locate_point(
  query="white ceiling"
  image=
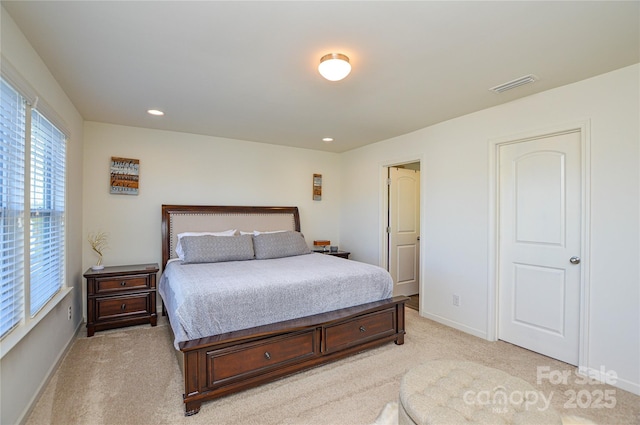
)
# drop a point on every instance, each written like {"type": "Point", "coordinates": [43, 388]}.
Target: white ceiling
{"type": "Point", "coordinates": [248, 70]}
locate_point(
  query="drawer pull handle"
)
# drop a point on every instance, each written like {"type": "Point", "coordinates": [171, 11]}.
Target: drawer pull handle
{"type": "Point", "coordinates": [123, 283]}
{"type": "Point", "coordinates": [123, 307]}
{"type": "Point", "coordinates": [363, 329]}
{"type": "Point", "coordinates": [267, 355]}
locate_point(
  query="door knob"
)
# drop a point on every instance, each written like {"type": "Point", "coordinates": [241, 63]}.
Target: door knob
{"type": "Point", "coordinates": [574, 260]}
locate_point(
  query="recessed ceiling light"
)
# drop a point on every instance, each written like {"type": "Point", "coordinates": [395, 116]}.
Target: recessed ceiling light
{"type": "Point", "coordinates": [155, 112]}
{"type": "Point", "coordinates": [327, 139]}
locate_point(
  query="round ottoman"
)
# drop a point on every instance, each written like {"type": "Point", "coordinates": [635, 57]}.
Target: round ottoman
{"type": "Point", "coordinates": [457, 392]}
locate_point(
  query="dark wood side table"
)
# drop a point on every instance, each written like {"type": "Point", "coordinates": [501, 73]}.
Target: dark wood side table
{"type": "Point", "coordinates": [121, 296]}
{"type": "Point", "coordinates": [341, 254]}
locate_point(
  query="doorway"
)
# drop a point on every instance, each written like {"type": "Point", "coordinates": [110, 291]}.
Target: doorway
{"type": "Point", "coordinates": [540, 223]}
{"type": "Point", "coordinates": [402, 229]}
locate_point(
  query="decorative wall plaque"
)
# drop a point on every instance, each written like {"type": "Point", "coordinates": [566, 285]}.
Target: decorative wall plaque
{"type": "Point", "coordinates": [317, 187]}
{"type": "Point", "coordinates": [125, 173]}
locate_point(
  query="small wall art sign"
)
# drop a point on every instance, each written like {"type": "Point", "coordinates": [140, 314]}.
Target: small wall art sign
{"type": "Point", "coordinates": [125, 174]}
{"type": "Point", "coordinates": [317, 187]}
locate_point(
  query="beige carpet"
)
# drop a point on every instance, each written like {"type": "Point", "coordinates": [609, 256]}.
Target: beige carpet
{"type": "Point", "coordinates": [109, 379]}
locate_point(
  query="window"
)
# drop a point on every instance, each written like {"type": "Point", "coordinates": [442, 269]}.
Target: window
{"type": "Point", "coordinates": [47, 210]}
{"type": "Point", "coordinates": [12, 163]}
{"type": "Point", "coordinates": [33, 180]}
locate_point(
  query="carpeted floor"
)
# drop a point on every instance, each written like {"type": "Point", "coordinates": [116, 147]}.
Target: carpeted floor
{"type": "Point", "coordinates": [131, 376]}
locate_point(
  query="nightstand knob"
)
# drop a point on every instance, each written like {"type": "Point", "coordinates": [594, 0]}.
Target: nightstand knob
{"type": "Point", "coordinates": [267, 355]}
{"type": "Point", "coordinates": [123, 283]}
{"type": "Point", "coordinates": [123, 307]}
{"type": "Point", "coordinates": [363, 329]}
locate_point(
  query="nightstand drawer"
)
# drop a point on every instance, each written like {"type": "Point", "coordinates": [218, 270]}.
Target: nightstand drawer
{"type": "Point", "coordinates": [121, 283]}
{"type": "Point", "coordinates": [118, 307]}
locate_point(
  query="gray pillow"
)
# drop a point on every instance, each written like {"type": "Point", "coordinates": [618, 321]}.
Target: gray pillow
{"type": "Point", "coordinates": [215, 249]}
{"type": "Point", "coordinates": [280, 244]}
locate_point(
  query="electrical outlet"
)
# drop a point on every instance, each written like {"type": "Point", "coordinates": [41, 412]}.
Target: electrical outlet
{"type": "Point", "coordinates": [69, 315]}
{"type": "Point", "coordinates": [456, 300]}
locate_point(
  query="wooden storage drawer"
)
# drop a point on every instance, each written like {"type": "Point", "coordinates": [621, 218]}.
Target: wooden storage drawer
{"type": "Point", "coordinates": [358, 330]}
{"type": "Point", "coordinates": [254, 358]}
{"type": "Point", "coordinates": [118, 307]}
{"type": "Point", "coordinates": [121, 283]}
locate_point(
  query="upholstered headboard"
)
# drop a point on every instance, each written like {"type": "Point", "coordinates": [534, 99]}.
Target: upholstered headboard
{"type": "Point", "coordinates": [215, 218]}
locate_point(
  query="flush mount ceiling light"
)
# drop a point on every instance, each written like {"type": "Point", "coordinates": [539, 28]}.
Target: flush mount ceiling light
{"type": "Point", "coordinates": [334, 66]}
{"type": "Point", "coordinates": [155, 112]}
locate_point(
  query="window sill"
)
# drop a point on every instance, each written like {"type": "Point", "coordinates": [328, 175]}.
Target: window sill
{"type": "Point", "coordinates": [15, 336]}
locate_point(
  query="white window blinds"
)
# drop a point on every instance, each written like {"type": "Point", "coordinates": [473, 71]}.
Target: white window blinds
{"type": "Point", "coordinates": [12, 166]}
{"type": "Point", "coordinates": [47, 210]}
{"type": "Point", "coordinates": [32, 180]}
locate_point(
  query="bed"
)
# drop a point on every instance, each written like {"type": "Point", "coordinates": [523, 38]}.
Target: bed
{"type": "Point", "coordinates": [244, 333]}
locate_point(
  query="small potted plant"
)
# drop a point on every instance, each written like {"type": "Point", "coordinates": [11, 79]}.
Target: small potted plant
{"type": "Point", "coordinates": [98, 242]}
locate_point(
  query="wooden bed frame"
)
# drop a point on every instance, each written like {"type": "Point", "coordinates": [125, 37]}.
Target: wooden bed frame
{"type": "Point", "coordinates": [218, 365]}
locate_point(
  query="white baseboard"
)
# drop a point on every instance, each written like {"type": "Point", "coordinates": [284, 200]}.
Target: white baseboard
{"type": "Point", "coordinates": [605, 376]}
{"type": "Point", "coordinates": [459, 326]}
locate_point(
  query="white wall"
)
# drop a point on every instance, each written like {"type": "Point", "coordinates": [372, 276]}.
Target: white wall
{"type": "Point", "coordinates": [455, 209]}
{"type": "Point", "coordinates": [25, 369]}
{"type": "Point", "coordinates": [179, 168]}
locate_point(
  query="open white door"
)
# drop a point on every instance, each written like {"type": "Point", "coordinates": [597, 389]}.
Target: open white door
{"type": "Point", "coordinates": [540, 217]}
{"type": "Point", "coordinates": [404, 230]}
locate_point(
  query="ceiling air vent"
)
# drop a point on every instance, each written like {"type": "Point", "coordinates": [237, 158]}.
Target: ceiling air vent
{"type": "Point", "coordinates": [514, 83]}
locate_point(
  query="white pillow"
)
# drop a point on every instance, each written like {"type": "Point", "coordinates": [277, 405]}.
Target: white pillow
{"type": "Point", "coordinates": [180, 251]}
{"type": "Point", "coordinates": [257, 232]}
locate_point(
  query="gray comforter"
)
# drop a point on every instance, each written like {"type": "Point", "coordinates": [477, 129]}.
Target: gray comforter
{"type": "Point", "coordinates": [214, 298]}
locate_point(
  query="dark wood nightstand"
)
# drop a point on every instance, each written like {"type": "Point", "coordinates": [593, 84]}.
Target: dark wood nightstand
{"type": "Point", "coordinates": [121, 296]}
{"type": "Point", "coordinates": [341, 254]}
